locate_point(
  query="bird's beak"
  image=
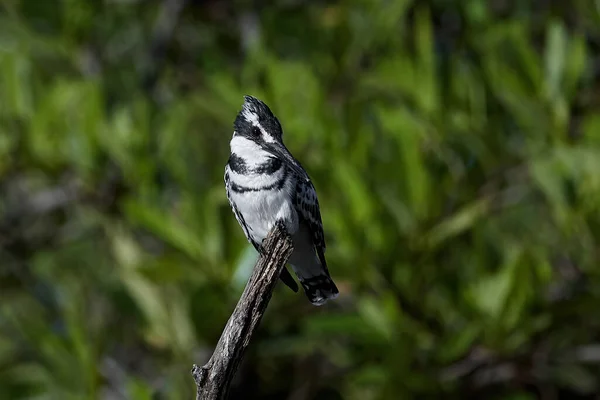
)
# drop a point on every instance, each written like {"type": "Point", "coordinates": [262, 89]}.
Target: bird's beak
{"type": "Point", "coordinates": [280, 151]}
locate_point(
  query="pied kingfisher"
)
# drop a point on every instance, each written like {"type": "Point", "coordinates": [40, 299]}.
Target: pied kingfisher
{"type": "Point", "coordinates": [267, 185]}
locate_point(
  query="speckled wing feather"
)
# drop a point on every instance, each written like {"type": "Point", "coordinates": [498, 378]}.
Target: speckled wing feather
{"type": "Point", "coordinates": [238, 216]}
{"type": "Point", "coordinates": [307, 206]}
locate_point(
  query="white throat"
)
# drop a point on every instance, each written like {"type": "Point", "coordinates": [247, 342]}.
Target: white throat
{"type": "Point", "coordinates": [248, 150]}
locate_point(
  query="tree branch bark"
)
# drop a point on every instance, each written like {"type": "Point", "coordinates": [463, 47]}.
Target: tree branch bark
{"type": "Point", "coordinates": [214, 378]}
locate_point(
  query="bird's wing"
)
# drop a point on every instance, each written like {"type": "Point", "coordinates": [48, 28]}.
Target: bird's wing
{"type": "Point", "coordinates": [238, 215]}
{"type": "Point", "coordinates": [307, 206]}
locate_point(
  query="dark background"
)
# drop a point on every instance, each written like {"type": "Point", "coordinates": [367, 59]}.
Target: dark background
{"type": "Point", "coordinates": [454, 146]}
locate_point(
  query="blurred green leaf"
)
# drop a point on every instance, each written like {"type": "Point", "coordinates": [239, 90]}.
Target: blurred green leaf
{"type": "Point", "coordinates": [556, 49]}
{"type": "Point", "coordinates": [166, 226]}
{"type": "Point", "coordinates": [453, 145]}
{"type": "Point", "coordinates": [576, 60]}
{"type": "Point", "coordinates": [15, 82]}
{"type": "Point", "coordinates": [139, 390]}
{"type": "Point", "coordinates": [491, 293]}
{"type": "Point", "coordinates": [457, 223]}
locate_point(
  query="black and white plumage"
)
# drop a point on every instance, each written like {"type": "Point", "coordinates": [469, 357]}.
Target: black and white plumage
{"type": "Point", "coordinates": [265, 185]}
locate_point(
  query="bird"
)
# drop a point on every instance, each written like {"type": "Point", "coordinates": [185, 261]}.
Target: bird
{"type": "Point", "coordinates": [266, 186]}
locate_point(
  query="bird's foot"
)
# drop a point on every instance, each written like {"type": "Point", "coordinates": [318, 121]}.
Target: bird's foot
{"type": "Point", "coordinates": [261, 250]}
{"type": "Point", "coordinates": [281, 225]}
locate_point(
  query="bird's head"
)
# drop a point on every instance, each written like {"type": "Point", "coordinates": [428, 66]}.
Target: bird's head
{"type": "Point", "coordinates": [257, 124]}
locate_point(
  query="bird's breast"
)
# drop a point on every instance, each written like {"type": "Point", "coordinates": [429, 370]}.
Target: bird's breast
{"type": "Point", "coordinates": [263, 198]}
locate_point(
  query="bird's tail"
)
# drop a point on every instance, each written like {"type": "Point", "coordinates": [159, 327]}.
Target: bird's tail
{"type": "Point", "coordinates": [319, 288]}
{"type": "Point", "coordinates": [315, 280]}
{"type": "Point", "coordinates": [313, 276]}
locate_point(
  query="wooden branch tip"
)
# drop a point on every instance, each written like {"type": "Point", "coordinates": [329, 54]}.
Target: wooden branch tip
{"type": "Point", "coordinates": [214, 378]}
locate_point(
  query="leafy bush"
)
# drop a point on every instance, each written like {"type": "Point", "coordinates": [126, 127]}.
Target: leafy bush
{"type": "Point", "coordinates": [454, 146]}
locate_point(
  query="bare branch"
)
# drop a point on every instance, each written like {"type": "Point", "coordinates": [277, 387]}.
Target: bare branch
{"type": "Point", "coordinates": [214, 378]}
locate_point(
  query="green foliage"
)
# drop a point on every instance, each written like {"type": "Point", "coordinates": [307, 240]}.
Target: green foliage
{"type": "Point", "coordinates": [455, 147]}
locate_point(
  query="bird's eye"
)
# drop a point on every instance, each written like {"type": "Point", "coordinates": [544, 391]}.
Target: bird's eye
{"type": "Point", "coordinates": [255, 131]}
